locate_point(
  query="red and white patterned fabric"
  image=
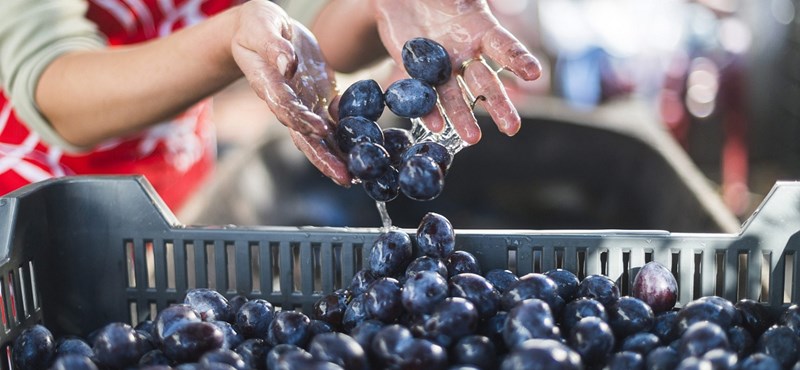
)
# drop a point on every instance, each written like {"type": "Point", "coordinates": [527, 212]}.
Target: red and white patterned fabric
{"type": "Point", "coordinates": [174, 156]}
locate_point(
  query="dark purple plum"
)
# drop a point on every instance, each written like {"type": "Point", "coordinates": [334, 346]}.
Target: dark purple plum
{"type": "Point", "coordinates": [435, 236]}
{"type": "Point", "coordinates": [629, 316]}
{"type": "Point", "coordinates": [396, 141]}
{"type": "Point", "coordinates": [236, 303]}
{"type": "Point", "coordinates": [421, 178]}
{"type": "Point", "coordinates": [781, 343]}
{"type": "Point", "coordinates": [319, 327]}
{"type": "Point", "coordinates": [231, 336]}
{"type": "Point", "coordinates": [492, 328]}
{"type": "Point", "coordinates": [599, 287]}
{"type": "Point", "coordinates": [386, 187]}
{"type": "Point", "coordinates": [368, 161]}
{"type": "Point", "coordinates": [625, 360]}
{"type": "Point", "coordinates": [73, 345]}
{"type": "Point", "coordinates": [421, 353]}
{"type": "Point", "coordinates": [426, 263]}
{"type": "Point", "coordinates": [365, 331]}
{"type": "Point", "coordinates": [721, 359]}
{"type": "Point", "coordinates": [168, 318]}
{"type": "Point", "coordinates": [581, 308]}
{"type": "Point", "coordinates": [664, 326]}
{"type": "Point", "coordinates": [72, 361]}
{"type": "Point", "coordinates": [330, 307]}
{"type": "Point", "coordinates": [383, 299]}
{"type": "Point", "coordinates": [423, 291]}
{"type": "Point", "coordinates": [760, 361]}
{"type": "Point", "coordinates": [476, 350]}
{"type": "Point", "coordinates": [361, 280]}
{"type": "Point", "coordinates": [662, 358]}
{"type": "Point", "coordinates": [501, 279]}
{"type": "Point", "coordinates": [253, 352]}
{"type": "Point", "coordinates": [452, 319]}
{"type": "Point", "coordinates": [542, 354]}
{"type": "Point", "coordinates": [190, 340]}
{"type": "Point", "coordinates": [756, 316]}
{"type": "Point", "coordinates": [641, 342]}
{"type": "Point", "coordinates": [224, 356]}
{"type": "Point", "coordinates": [426, 60]}
{"type": "Point", "coordinates": [278, 357]}
{"type": "Point", "coordinates": [388, 345]}
{"type": "Point", "coordinates": [741, 341]}
{"type": "Point", "coordinates": [460, 262]}
{"type": "Point", "coordinates": [410, 98]}
{"type": "Point", "coordinates": [340, 349]}
{"type": "Point", "coordinates": [566, 281]}
{"type": "Point", "coordinates": [209, 303]}
{"type": "Point", "coordinates": [695, 363]}
{"type": "Point", "coordinates": [592, 339]}
{"type": "Point", "coordinates": [391, 253]}
{"type": "Point", "coordinates": [477, 290]}
{"type": "Point", "coordinates": [702, 309]}
{"type": "Point", "coordinates": [117, 345]}
{"type": "Point", "coordinates": [363, 98]}
{"type": "Point", "coordinates": [154, 357]}
{"type": "Point", "coordinates": [254, 317]}
{"type": "Point", "coordinates": [534, 285]}
{"type": "Point", "coordinates": [355, 313]}
{"type": "Point", "coordinates": [289, 327]}
{"type": "Point", "coordinates": [655, 285]}
{"type": "Point", "coordinates": [354, 130]}
{"type": "Point", "coordinates": [529, 319]}
{"type": "Point", "coordinates": [34, 348]}
{"type": "Point", "coordinates": [702, 337]}
{"type": "Point", "coordinates": [791, 317]}
{"type": "Point", "coordinates": [432, 149]}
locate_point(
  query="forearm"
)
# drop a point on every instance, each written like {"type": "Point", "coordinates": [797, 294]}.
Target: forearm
{"type": "Point", "coordinates": [348, 34]}
{"type": "Point", "coordinates": [91, 96]}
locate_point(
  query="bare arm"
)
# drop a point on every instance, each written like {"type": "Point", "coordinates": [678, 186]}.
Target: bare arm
{"type": "Point", "coordinates": [348, 34]}
{"type": "Point", "coordinates": [91, 96]}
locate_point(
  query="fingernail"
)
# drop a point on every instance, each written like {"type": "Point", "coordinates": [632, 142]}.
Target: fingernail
{"type": "Point", "coordinates": [282, 62]}
{"type": "Point", "coordinates": [532, 67]}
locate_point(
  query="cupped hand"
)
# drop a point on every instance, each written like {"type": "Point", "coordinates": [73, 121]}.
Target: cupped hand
{"type": "Point", "coordinates": [469, 32]}
{"type": "Point", "coordinates": [282, 63]}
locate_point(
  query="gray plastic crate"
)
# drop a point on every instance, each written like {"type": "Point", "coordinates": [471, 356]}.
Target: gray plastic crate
{"type": "Point", "coordinates": [79, 252]}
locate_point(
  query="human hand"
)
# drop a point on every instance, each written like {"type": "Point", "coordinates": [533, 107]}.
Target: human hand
{"type": "Point", "coordinates": [262, 48]}
{"type": "Point", "coordinates": [468, 31]}
{"type": "Point", "coordinates": [314, 83]}
{"type": "Point", "coordinates": [282, 63]}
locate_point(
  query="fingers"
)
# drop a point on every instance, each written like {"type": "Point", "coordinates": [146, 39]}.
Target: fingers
{"type": "Point", "coordinates": [482, 81]}
{"type": "Point", "coordinates": [501, 46]}
{"type": "Point", "coordinates": [268, 32]}
{"type": "Point", "coordinates": [271, 87]}
{"type": "Point", "coordinates": [322, 157]}
{"type": "Point", "coordinates": [459, 112]}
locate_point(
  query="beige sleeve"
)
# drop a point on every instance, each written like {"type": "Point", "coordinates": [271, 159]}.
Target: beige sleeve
{"type": "Point", "coordinates": [32, 34]}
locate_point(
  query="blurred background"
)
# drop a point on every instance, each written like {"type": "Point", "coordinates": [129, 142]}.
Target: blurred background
{"type": "Point", "coordinates": [664, 114]}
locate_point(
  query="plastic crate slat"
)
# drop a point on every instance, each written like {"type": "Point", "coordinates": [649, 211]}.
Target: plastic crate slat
{"type": "Point", "coordinates": [199, 267]}
{"type": "Point", "coordinates": [615, 266]}
{"type": "Point", "coordinates": [306, 272]}
{"type": "Point", "coordinates": [709, 272]}
{"type": "Point", "coordinates": [524, 260]}
{"type": "Point", "coordinates": [731, 267]}
{"type": "Point", "coordinates": [326, 260]}
{"type": "Point", "coordinates": [285, 261]}
{"type": "Point", "coordinates": [265, 267]}
{"type": "Point", "coordinates": [686, 273]}
{"type": "Point", "coordinates": [220, 264]}
{"type": "Point", "coordinates": [243, 268]}
{"type": "Point", "coordinates": [181, 273]}
{"type": "Point", "coordinates": [160, 265]}
{"type": "Point", "coordinates": [776, 279]}
{"type": "Point", "coordinates": [754, 262]}
{"type": "Point", "coordinates": [548, 257]}
{"type": "Point", "coordinates": [348, 263]}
